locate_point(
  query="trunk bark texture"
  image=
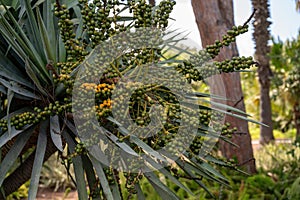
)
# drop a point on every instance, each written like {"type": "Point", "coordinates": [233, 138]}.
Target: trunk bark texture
{"type": "Point", "coordinates": [214, 18]}
{"type": "Point", "coordinates": [152, 2]}
{"type": "Point", "coordinates": [297, 118]}
{"type": "Point", "coordinates": [261, 37]}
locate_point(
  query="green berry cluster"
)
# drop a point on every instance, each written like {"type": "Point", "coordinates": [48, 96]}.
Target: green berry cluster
{"type": "Point", "coordinates": [3, 125]}
{"type": "Point", "coordinates": [142, 13]}
{"type": "Point", "coordinates": [227, 39]}
{"type": "Point", "coordinates": [74, 47]}
{"type": "Point", "coordinates": [97, 19]}
{"type": "Point", "coordinates": [199, 66]}
{"type": "Point", "coordinates": [23, 119]}
{"type": "Point", "coordinates": [109, 175]}
{"type": "Point", "coordinates": [131, 180]}
{"type": "Point", "coordinates": [80, 149]}
{"type": "Point", "coordinates": [162, 14]}
{"type": "Point", "coordinates": [101, 21]}
{"type": "Point", "coordinates": [145, 16]}
{"type": "Point", "coordinates": [235, 64]}
{"type": "Point", "coordinates": [209, 120]}
{"type": "Point", "coordinates": [65, 24]}
{"type": "Point", "coordinates": [37, 115]}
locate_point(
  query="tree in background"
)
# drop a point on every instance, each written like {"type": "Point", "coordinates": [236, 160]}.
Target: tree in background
{"type": "Point", "coordinates": [298, 5]}
{"type": "Point", "coordinates": [152, 2]}
{"type": "Point", "coordinates": [285, 58]}
{"type": "Point", "coordinates": [261, 37]}
{"type": "Point", "coordinates": [214, 18]}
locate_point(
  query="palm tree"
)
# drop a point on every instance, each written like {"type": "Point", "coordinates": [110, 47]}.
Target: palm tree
{"type": "Point", "coordinates": [261, 37]}
{"type": "Point", "coordinates": [297, 5]}
{"type": "Point", "coordinates": [45, 46]}
{"type": "Point", "coordinates": [286, 67]}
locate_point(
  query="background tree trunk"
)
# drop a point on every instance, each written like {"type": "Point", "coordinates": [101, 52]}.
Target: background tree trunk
{"type": "Point", "coordinates": [261, 37]}
{"type": "Point", "coordinates": [152, 2]}
{"type": "Point", "coordinates": [214, 18]}
{"type": "Point", "coordinates": [297, 118]}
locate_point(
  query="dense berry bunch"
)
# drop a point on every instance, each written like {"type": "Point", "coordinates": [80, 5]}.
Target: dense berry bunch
{"type": "Point", "coordinates": [235, 64]}
{"type": "Point", "coordinates": [101, 20]}
{"type": "Point", "coordinates": [227, 39]}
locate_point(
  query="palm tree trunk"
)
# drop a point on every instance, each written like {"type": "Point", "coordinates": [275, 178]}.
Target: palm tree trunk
{"type": "Point", "coordinates": [152, 2]}
{"type": "Point", "coordinates": [297, 118]}
{"type": "Point", "coordinates": [261, 37]}
{"type": "Point", "coordinates": [214, 18]}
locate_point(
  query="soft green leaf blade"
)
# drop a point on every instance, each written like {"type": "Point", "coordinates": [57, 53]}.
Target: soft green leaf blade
{"type": "Point", "coordinates": [196, 94]}
{"type": "Point", "coordinates": [78, 168]}
{"type": "Point", "coordinates": [168, 175]}
{"type": "Point", "coordinates": [196, 170]}
{"type": "Point", "coordinates": [34, 78]}
{"type": "Point", "coordinates": [50, 22]}
{"type": "Point", "coordinates": [17, 42]}
{"type": "Point", "coordinates": [226, 112]}
{"type": "Point", "coordinates": [55, 132]}
{"type": "Point", "coordinates": [38, 160]}
{"type": "Point", "coordinates": [205, 172]}
{"type": "Point", "coordinates": [215, 160]}
{"type": "Point", "coordinates": [137, 141]}
{"type": "Point", "coordinates": [71, 127]}
{"type": "Point", "coordinates": [224, 106]}
{"type": "Point", "coordinates": [13, 153]}
{"type": "Point", "coordinates": [140, 194]}
{"type": "Point", "coordinates": [20, 42]}
{"type": "Point", "coordinates": [62, 53]}
{"type": "Point", "coordinates": [90, 175]}
{"type": "Point", "coordinates": [11, 72]}
{"type": "Point", "coordinates": [14, 3]}
{"type": "Point", "coordinates": [39, 2]}
{"type": "Point", "coordinates": [102, 177]}
{"type": "Point", "coordinates": [125, 147]}
{"type": "Point", "coordinates": [147, 148]}
{"type": "Point", "coordinates": [10, 95]}
{"type": "Point", "coordinates": [17, 89]}
{"type": "Point", "coordinates": [115, 190]}
{"type": "Point", "coordinates": [6, 137]}
{"type": "Point", "coordinates": [79, 30]}
{"type": "Point", "coordinates": [33, 26]}
{"type": "Point", "coordinates": [213, 171]}
{"type": "Point", "coordinates": [212, 134]}
{"type": "Point", "coordinates": [161, 189]}
{"type": "Point", "coordinates": [48, 48]}
{"type": "Point", "coordinates": [188, 169]}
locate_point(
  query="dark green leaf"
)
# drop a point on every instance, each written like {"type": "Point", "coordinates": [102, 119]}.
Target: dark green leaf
{"type": "Point", "coordinates": [55, 132]}
{"type": "Point", "coordinates": [38, 160]}
{"type": "Point", "coordinates": [6, 137]}
{"type": "Point", "coordinates": [168, 175]}
{"type": "Point", "coordinates": [102, 177]}
{"type": "Point", "coordinates": [140, 194]}
{"type": "Point", "coordinates": [13, 153]}
{"type": "Point", "coordinates": [163, 191]}
{"type": "Point", "coordinates": [48, 48]}
{"type": "Point", "coordinates": [78, 168]}
{"type": "Point", "coordinates": [17, 89]}
{"type": "Point", "coordinates": [10, 95]}
{"type": "Point", "coordinates": [90, 175]}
